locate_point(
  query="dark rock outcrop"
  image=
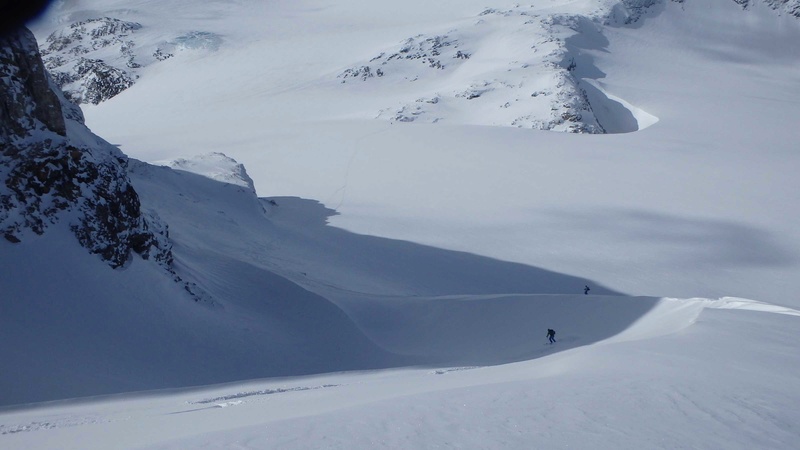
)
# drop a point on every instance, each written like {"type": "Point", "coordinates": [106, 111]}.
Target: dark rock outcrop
{"type": "Point", "coordinates": [26, 101]}
{"type": "Point", "coordinates": [48, 175]}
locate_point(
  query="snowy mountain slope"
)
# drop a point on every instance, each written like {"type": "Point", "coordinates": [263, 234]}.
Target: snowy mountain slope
{"type": "Point", "coordinates": [682, 197]}
{"type": "Point", "coordinates": [685, 376]}
{"type": "Point", "coordinates": [229, 243]}
{"type": "Point", "coordinates": [791, 7]}
{"type": "Point", "coordinates": [75, 328]}
{"type": "Point", "coordinates": [54, 169]}
{"type": "Point", "coordinates": [135, 329]}
{"type": "Point", "coordinates": [72, 326]}
{"type": "Point", "coordinates": [435, 243]}
{"type": "Point", "coordinates": [534, 82]}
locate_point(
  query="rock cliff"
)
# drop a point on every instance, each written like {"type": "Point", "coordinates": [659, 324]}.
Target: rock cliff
{"type": "Point", "coordinates": [53, 169]}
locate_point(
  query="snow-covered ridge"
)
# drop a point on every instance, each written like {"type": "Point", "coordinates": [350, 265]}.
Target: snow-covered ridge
{"type": "Point", "coordinates": [791, 7]}
{"type": "Point", "coordinates": [629, 11]}
{"type": "Point", "coordinates": [518, 67]}
{"type": "Point", "coordinates": [505, 67]}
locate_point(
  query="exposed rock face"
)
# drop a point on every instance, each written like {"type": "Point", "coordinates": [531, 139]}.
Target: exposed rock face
{"type": "Point", "coordinates": [94, 60]}
{"type": "Point", "coordinates": [27, 103]}
{"type": "Point", "coordinates": [92, 80]}
{"type": "Point", "coordinates": [633, 10]}
{"type": "Point", "coordinates": [49, 175]}
{"type": "Point", "coordinates": [791, 7]}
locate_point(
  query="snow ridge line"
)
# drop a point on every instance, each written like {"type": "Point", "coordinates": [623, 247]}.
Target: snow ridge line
{"type": "Point", "coordinates": [748, 305]}
{"type": "Point", "coordinates": [671, 315]}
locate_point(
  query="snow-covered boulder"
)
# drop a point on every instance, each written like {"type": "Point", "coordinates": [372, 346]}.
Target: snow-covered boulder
{"type": "Point", "coordinates": [217, 166]}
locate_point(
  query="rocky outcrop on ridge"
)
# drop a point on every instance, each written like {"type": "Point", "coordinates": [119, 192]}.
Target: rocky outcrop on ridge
{"type": "Point", "coordinates": [86, 79]}
{"type": "Point", "coordinates": [538, 89]}
{"type": "Point", "coordinates": [791, 7]}
{"type": "Point", "coordinates": [96, 59]}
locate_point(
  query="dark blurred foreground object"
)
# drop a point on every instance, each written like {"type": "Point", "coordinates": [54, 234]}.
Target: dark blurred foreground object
{"type": "Point", "coordinates": [15, 13]}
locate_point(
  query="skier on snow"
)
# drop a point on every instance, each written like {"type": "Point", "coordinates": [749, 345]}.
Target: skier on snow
{"type": "Point", "coordinates": [551, 334]}
{"type": "Point", "coordinates": [586, 290]}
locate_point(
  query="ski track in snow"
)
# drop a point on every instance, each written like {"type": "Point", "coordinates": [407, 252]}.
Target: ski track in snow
{"type": "Point", "coordinates": [453, 369]}
{"type": "Point", "coordinates": [239, 395]}
{"type": "Point", "coordinates": [53, 423]}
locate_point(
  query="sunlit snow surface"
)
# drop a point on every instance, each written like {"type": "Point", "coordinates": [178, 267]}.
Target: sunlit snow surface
{"type": "Point", "coordinates": [454, 244]}
{"type": "Point", "coordinates": [706, 194]}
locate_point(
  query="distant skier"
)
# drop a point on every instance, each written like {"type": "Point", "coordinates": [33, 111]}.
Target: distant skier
{"type": "Point", "coordinates": [551, 334]}
{"type": "Point", "coordinates": [586, 290]}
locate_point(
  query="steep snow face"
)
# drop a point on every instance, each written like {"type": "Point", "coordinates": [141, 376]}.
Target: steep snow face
{"type": "Point", "coordinates": [73, 327]}
{"type": "Point", "coordinates": [54, 169]}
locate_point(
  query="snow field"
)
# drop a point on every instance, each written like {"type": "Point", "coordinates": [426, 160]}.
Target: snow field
{"type": "Point", "coordinates": [608, 395]}
{"type": "Point", "coordinates": [703, 190]}
{"type": "Point", "coordinates": [439, 253]}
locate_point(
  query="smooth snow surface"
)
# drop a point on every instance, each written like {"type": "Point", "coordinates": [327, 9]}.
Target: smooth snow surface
{"type": "Point", "coordinates": [692, 377]}
{"type": "Point", "coordinates": [400, 277]}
